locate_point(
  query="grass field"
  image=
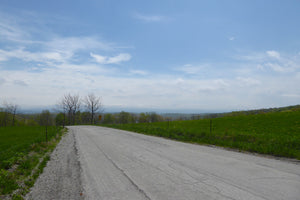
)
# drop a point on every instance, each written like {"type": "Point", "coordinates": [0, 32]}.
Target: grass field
{"type": "Point", "coordinates": [275, 133]}
{"type": "Point", "coordinates": [22, 151]}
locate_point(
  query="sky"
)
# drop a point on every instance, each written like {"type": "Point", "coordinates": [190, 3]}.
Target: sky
{"type": "Point", "coordinates": [158, 55]}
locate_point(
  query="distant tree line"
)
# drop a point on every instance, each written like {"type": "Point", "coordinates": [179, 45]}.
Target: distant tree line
{"type": "Point", "coordinates": [72, 109]}
{"type": "Point", "coordinates": [8, 114]}
{"type": "Point", "coordinates": [126, 118]}
{"type": "Point", "coordinates": [264, 111]}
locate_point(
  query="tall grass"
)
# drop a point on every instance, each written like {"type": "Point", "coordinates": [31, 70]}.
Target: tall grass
{"type": "Point", "coordinates": [272, 133]}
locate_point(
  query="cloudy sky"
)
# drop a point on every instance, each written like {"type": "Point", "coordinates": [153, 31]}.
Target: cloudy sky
{"type": "Point", "coordinates": [175, 55]}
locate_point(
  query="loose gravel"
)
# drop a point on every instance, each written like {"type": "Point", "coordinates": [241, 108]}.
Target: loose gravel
{"type": "Point", "coordinates": [61, 178]}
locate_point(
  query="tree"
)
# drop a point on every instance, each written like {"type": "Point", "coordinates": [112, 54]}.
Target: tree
{"type": "Point", "coordinates": [85, 117]}
{"type": "Point", "coordinates": [13, 109]}
{"type": "Point", "coordinates": [69, 104]}
{"type": "Point", "coordinates": [10, 109]}
{"type": "Point", "coordinates": [78, 119]}
{"type": "Point", "coordinates": [155, 117]}
{"type": "Point", "coordinates": [143, 118]}
{"type": "Point", "coordinates": [93, 104]}
{"type": "Point", "coordinates": [45, 120]}
{"type": "Point", "coordinates": [2, 117]}
{"type": "Point", "coordinates": [60, 119]}
{"type": "Point", "coordinates": [126, 117]}
{"type": "Point", "coordinates": [75, 102]}
{"type": "Point", "coordinates": [109, 119]}
{"type": "Point", "coordinates": [62, 108]}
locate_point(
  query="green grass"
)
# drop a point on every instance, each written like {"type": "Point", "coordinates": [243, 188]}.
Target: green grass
{"type": "Point", "coordinates": [21, 156]}
{"type": "Point", "coordinates": [15, 142]}
{"type": "Point", "coordinates": [272, 133]}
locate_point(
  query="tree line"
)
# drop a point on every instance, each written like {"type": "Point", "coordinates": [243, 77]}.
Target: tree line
{"type": "Point", "coordinates": [126, 118]}
{"type": "Point", "coordinates": [71, 109]}
{"type": "Point", "coordinates": [8, 114]}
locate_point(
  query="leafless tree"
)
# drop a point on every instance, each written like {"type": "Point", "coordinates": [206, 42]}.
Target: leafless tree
{"type": "Point", "coordinates": [75, 102]}
{"type": "Point", "coordinates": [69, 104]}
{"type": "Point", "coordinates": [93, 104]}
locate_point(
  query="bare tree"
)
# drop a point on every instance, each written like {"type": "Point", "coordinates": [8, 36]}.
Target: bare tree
{"type": "Point", "coordinates": [75, 102]}
{"type": "Point", "coordinates": [93, 104]}
{"type": "Point", "coordinates": [69, 104]}
{"type": "Point", "coordinates": [14, 108]}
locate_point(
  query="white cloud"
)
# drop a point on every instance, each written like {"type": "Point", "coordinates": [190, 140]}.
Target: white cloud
{"type": "Point", "coordinates": [271, 60]}
{"type": "Point", "coordinates": [99, 59]}
{"type": "Point", "coordinates": [247, 81]}
{"type": "Point", "coordinates": [58, 50]}
{"type": "Point", "coordinates": [20, 83]}
{"type": "Point", "coordinates": [278, 68]}
{"type": "Point", "coordinates": [259, 56]}
{"type": "Point", "coordinates": [273, 54]}
{"type": "Point", "coordinates": [84, 69]}
{"type": "Point", "coordinates": [193, 69]}
{"type": "Point", "coordinates": [292, 95]}
{"type": "Point", "coordinates": [122, 57]}
{"type": "Point", "coordinates": [155, 91]}
{"type": "Point", "coordinates": [26, 38]}
{"type": "Point", "coordinates": [231, 38]}
{"type": "Point", "coordinates": [251, 57]}
{"type": "Point", "coordinates": [73, 44]}
{"type": "Point", "coordinates": [21, 53]}
{"type": "Point", "coordinates": [9, 29]}
{"type": "Point", "coordinates": [149, 18]}
{"type": "Point", "coordinates": [2, 81]}
{"type": "Point", "coordinates": [179, 81]}
{"type": "Point", "coordinates": [138, 72]}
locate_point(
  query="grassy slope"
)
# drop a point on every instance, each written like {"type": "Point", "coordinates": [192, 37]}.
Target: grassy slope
{"type": "Point", "coordinates": [18, 141]}
{"type": "Point", "coordinates": [21, 149]}
{"type": "Point", "coordinates": [275, 133]}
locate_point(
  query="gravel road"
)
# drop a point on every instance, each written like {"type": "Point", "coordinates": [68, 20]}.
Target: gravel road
{"type": "Point", "coordinates": [118, 164]}
{"type": "Point", "coordinates": [61, 178]}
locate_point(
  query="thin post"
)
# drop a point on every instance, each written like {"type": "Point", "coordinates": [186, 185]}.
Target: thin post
{"type": "Point", "coordinates": [46, 134]}
{"type": "Point", "coordinates": [210, 126]}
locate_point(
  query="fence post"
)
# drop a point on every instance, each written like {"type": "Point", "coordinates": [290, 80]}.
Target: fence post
{"type": "Point", "coordinates": [46, 134]}
{"type": "Point", "coordinates": [210, 126]}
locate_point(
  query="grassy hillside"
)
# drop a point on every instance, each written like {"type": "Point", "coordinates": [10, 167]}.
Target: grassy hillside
{"type": "Point", "coordinates": [274, 133]}
{"type": "Point", "coordinates": [22, 155]}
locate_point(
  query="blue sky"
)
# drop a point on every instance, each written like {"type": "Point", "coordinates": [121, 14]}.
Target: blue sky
{"type": "Point", "coordinates": [172, 55]}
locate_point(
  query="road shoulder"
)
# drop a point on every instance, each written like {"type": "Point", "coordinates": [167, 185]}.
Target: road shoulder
{"type": "Point", "coordinates": [61, 178]}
